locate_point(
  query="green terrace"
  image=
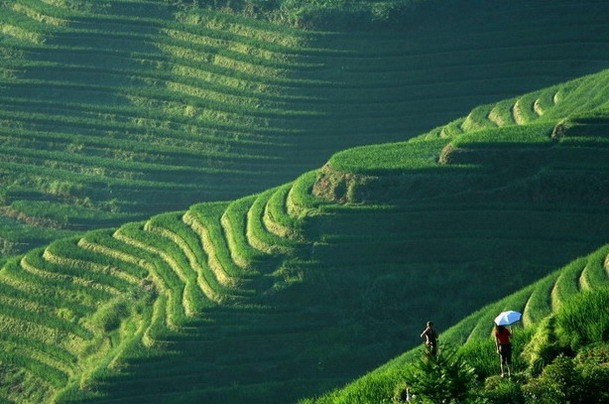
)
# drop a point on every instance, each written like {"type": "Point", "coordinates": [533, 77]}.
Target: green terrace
{"type": "Point", "coordinates": [116, 110]}
{"type": "Point", "coordinates": [561, 313]}
{"type": "Point", "coordinates": [296, 290]}
{"type": "Point", "coordinates": [151, 293]}
{"type": "Point", "coordinates": [488, 203]}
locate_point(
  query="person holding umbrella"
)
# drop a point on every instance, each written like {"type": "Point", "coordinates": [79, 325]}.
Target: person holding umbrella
{"type": "Point", "coordinates": [503, 342]}
{"type": "Point", "coordinates": [503, 339]}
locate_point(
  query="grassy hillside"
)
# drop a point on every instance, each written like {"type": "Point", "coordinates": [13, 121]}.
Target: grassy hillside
{"type": "Point", "coordinates": [563, 314]}
{"type": "Point", "coordinates": [115, 110]}
{"type": "Point", "coordinates": [296, 290]}
{"type": "Point", "coordinates": [511, 166]}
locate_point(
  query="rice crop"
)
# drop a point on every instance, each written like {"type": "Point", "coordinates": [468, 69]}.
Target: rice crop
{"type": "Point", "coordinates": [105, 106]}
{"type": "Point", "coordinates": [137, 110]}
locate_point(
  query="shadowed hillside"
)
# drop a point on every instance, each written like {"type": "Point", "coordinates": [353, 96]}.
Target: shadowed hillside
{"type": "Point", "coordinates": [541, 303]}
{"type": "Point", "coordinates": [537, 172]}
{"type": "Point", "coordinates": [115, 110]}
{"type": "Point", "coordinates": [298, 289]}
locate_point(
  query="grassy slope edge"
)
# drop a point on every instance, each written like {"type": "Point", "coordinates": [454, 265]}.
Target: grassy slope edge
{"type": "Point", "coordinates": [580, 125]}
{"type": "Point", "coordinates": [116, 110]}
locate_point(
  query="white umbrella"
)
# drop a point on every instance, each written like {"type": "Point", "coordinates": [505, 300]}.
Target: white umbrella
{"type": "Point", "coordinates": [508, 317]}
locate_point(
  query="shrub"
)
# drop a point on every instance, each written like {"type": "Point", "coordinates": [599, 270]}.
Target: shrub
{"type": "Point", "coordinates": [595, 354]}
{"type": "Point", "coordinates": [445, 378]}
{"type": "Point", "coordinates": [565, 376]}
{"type": "Point", "coordinates": [593, 364]}
{"type": "Point", "coordinates": [500, 390]}
{"type": "Point", "coordinates": [540, 392]}
{"type": "Point", "coordinates": [569, 380]}
{"type": "Point", "coordinates": [594, 380]}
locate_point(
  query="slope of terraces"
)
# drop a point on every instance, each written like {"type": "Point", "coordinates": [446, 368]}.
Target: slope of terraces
{"type": "Point", "coordinates": [80, 311]}
{"type": "Point", "coordinates": [298, 289]}
{"type": "Point", "coordinates": [503, 198]}
{"type": "Point", "coordinates": [112, 111]}
{"type": "Point", "coordinates": [538, 302]}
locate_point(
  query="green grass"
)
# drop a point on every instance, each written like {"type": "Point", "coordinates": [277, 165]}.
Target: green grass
{"type": "Point", "coordinates": [200, 285]}
{"type": "Point", "coordinates": [307, 305]}
{"type": "Point", "coordinates": [579, 322]}
{"type": "Point", "coordinates": [122, 111]}
{"type": "Point", "coordinates": [108, 106]}
{"type": "Point", "coordinates": [205, 219]}
{"type": "Point", "coordinates": [276, 218]}
{"type": "Point", "coordinates": [257, 233]}
{"type": "Point", "coordinates": [513, 153]}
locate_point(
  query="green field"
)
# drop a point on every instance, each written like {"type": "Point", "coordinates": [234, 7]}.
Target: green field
{"type": "Point", "coordinates": [296, 290]}
{"type": "Point", "coordinates": [551, 165]}
{"type": "Point", "coordinates": [115, 111]}
{"type": "Point", "coordinates": [213, 204]}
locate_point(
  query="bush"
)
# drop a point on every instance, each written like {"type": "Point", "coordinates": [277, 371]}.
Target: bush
{"type": "Point", "coordinates": [540, 392]}
{"type": "Point", "coordinates": [593, 364]}
{"type": "Point", "coordinates": [563, 374]}
{"type": "Point", "coordinates": [595, 380]}
{"type": "Point", "coordinates": [445, 378]}
{"type": "Point", "coordinates": [566, 381]}
{"type": "Point", "coordinates": [500, 390]}
{"type": "Point", "coordinates": [583, 379]}
{"type": "Point", "coordinates": [595, 354]}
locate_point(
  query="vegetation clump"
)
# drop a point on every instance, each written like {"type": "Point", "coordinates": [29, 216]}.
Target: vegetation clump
{"type": "Point", "coordinates": [443, 378]}
{"type": "Point", "coordinates": [324, 14]}
{"type": "Point", "coordinates": [567, 356]}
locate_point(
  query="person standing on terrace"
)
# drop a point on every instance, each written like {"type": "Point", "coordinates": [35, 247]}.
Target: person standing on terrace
{"type": "Point", "coordinates": [431, 338]}
{"type": "Point", "coordinates": [503, 342]}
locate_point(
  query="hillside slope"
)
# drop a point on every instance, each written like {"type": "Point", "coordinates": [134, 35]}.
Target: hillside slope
{"type": "Point", "coordinates": [539, 302]}
{"type": "Point", "coordinates": [298, 289]}
{"type": "Point", "coordinates": [546, 152]}
{"type": "Point", "coordinates": [114, 110]}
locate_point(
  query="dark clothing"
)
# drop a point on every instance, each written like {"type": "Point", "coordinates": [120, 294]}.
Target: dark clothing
{"type": "Point", "coordinates": [433, 348]}
{"type": "Point", "coordinates": [505, 350]}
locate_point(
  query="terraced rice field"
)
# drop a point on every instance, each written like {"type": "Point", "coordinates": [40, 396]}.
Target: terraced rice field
{"type": "Point", "coordinates": [296, 290]}
{"type": "Point", "coordinates": [501, 200]}
{"type": "Point", "coordinates": [117, 110]}
{"type": "Point", "coordinates": [180, 297]}
{"type": "Point", "coordinates": [537, 302]}
{"type": "Point", "coordinates": [509, 169]}
{"type": "Point", "coordinates": [242, 273]}
{"type": "Point", "coordinates": [543, 297]}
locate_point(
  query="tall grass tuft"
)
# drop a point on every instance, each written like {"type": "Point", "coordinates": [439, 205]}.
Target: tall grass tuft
{"type": "Point", "coordinates": [584, 319]}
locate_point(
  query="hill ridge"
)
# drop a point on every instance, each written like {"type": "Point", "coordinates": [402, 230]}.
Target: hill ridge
{"type": "Point", "coordinates": [117, 110]}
